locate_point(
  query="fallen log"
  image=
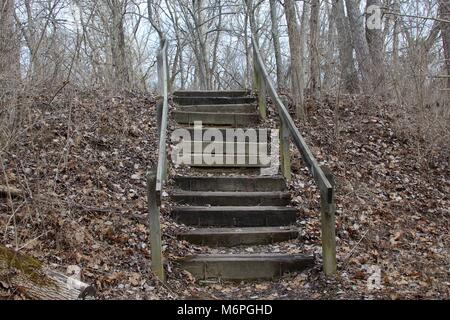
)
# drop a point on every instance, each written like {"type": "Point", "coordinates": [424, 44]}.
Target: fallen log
{"type": "Point", "coordinates": [5, 191]}
{"type": "Point", "coordinates": [29, 277]}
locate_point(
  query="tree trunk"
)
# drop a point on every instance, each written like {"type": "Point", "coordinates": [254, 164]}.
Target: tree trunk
{"type": "Point", "coordinates": [444, 9]}
{"type": "Point", "coordinates": [200, 27]}
{"type": "Point", "coordinates": [9, 52]}
{"type": "Point", "coordinates": [118, 44]}
{"type": "Point", "coordinates": [180, 46]}
{"type": "Point", "coordinates": [375, 43]}
{"type": "Point", "coordinates": [314, 84]}
{"type": "Point", "coordinates": [328, 45]}
{"type": "Point", "coordinates": [214, 74]}
{"type": "Point", "coordinates": [360, 44]}
{"type": "Point", "coordinates": [395, 53]}
{"type": "Point", "coordinates": [304, 27]}
{"type": "Point", "coordinates": [248, 78]}
{"type": "Point", "coordinates": [276, 43]}
{"type": "Point", "coordinates": [7, 191]}
{"type": "Point", "coordinates": [296, 59]}
{"type": "Point", "coordinates": [349, 74]}
{"type": "Point", "coordinates": [27, 276]}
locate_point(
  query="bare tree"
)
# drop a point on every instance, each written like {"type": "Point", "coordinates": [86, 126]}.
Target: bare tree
{"type": "Point", "coordinates": [314, 84]}
{"type": "Point", "coordinates": [395, 52]}
{"type": "Point", "coordinates": [276, 42]}
{"type": "Point", "coordinates": [9, 62]}
{"type": "Point", "coordinates": [209, 40]}
{"type": "Point", "coordinates": [347, 63]}
{"type": "Point", "coordinates": [375, 43]}
{"type": "Point", "coordinates": [363, 56]}
{"type": "Point", "coordinates": [296, 58]}
{"type": "Point", "coordinates": [444, 13]}
{"type": "Point", "coordinates": [117, 38]}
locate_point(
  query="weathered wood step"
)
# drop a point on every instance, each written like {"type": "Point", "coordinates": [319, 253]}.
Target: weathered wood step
{"type": "Point", "coordinates": [220, 108]}
{"type": "Point", "coordinates": [262, 135]}
{"type": "Point", "coordinates": [223, 147]}
{"type": "Point", "coordinates": [245, 267]}
{"type": "Point", "coordinates": [213, 118]}
{"type": "Point", "coordinates": [222, 161]}
{"type": "Point", "coordinates": [219, 198]}
{"type": "Point", "coordinates": [231, 237]}
{"type": "Point", "coordinates": [211, 93]}
{"type": "Point", "coordinates": [236, 183]}
{"type": "Point", "coordinates": [240, 216]}
{"type": "Point", "coordinates": [192, 100]}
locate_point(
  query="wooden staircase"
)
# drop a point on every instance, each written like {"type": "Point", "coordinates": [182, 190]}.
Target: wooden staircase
{"type": "Point", "coordinates": [232, 210]}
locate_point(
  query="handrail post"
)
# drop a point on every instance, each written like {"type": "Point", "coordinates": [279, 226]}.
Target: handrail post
{"type": "Point", "coordinates": [159, 113]}
{"type": "Point", "coordinates": [162, 103]}
{"type": "Point", "coordinates": [328, 225]}
{"type": "Point", "coordinates": [166, 97]}
{"type": "Point", "coordinates": [154, 226]}
{"type": "Point", "coordinates": [165, 169]}
{"type": "Point", "coordinates": [262, 103]}
{"type": "Point", "coordinates": [285, 156]}
{"type": "Point", "coordinates": [165, 51]}
{"type": "Point", "coordinates": [160, 98]}
{"type": "Point", "coordinates": [260, 87]}
{"type": "Point", "coordinates": [255, 72]}
{"type": "Point", "coordinates": [160, 73]}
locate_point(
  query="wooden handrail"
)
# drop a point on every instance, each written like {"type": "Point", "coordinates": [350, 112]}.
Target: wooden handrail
{"type": "Point", "coordinates": [288, 128]}
{"type": "Point", "coordinates": [156, 178]}
{"type": "Point", "coordinates": [163, 71]}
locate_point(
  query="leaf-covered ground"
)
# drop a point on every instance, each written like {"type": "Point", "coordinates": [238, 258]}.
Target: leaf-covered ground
{"type": "Point", "coordinates": [81, 162]}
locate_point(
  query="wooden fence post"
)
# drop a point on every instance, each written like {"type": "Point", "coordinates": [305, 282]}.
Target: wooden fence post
{"type": "Point", "coordinates": [328, 224]}
{"type": "Point", "coordinates": [285, 152]}
{"type": "Point", "coordinates": [166, 166]}
{"type": "Point", "coordinates": [261, 89]}
{"type": "Point", "coordinates": [159, 68]}
{"type": "Point", "coordinates": [159, 110]}
{"type": "Point", "coordinates": [262, 103]}
{"type": "Point", "coordinates": [255, 73]}
{"type": "Point", "coordinates": [155, 226]}
{"type": "Point", "coordinates": [160, 99]}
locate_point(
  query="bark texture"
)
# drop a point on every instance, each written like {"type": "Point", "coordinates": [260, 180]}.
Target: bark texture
{"type": "Point", "coordinates": [8, 45]}
{"type": "Point", "coordinates": [296, 59]}
{"type": "Point", "coordinates": [444, 9]}
{"type": "Point", "coordinates": [349, 75]}
{"type": "Point", "coordinates": [32, 279]}
{"type": "Point", "coordinates": [375, 43]}
{"type": "Point", "coordinates": [276, 42]}
{"type": "Point", "coordinates": [314, 84]}
{"type": "Point", "coordinates": [363, 56]}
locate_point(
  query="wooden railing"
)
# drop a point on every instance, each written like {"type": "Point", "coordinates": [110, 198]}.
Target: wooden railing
{"type": "Point", "coordinates": [289, 130]}
{"type": "Point", "coordinates": [156, 178]}
{"type": "Point", "coordinates": [163, 112]}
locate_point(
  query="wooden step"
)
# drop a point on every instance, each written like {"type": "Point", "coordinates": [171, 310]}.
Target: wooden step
{"type": "Point", "coordinates": [261, 135]}
{"type": "Point", "coordinates": [213, 118]}
{"type": "Point", "coordinates": [224, 147]}
{"type": "Point", "coordinates": [245, 267]}
{"type": "Point", "coordinates": [219, 198]}
{"type": "Point", "coordinates": [192, 100]}
{"type": "Point", "coordinates": [231, 237]}
{"type": "Point", "coordinates": [220, 108]}
{"type": "Point", "coordinates": [211, 93]}
{"type": "Point", "coordinates": [240, 216]}
{"type": "Point", "coordinates": [237, 183]}
{"type": "Point", "coordinates": [224, 161]}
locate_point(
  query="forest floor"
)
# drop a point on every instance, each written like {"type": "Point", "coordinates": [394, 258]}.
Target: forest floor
{"type": "Point", "coordinates": [81, 162]}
